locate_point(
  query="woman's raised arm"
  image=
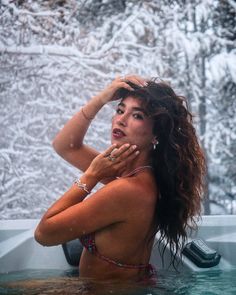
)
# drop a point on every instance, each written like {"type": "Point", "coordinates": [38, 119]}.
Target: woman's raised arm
{"type": "Point", "coordinates": [68, 143]}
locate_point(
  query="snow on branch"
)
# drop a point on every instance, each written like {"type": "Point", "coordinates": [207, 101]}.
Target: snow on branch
{"type": "Point", "coordinates": [42, 50]}
{"type": "Point", "coordinates": [111, 42]}
{"type": "Point", "coordinates": [17, 11]}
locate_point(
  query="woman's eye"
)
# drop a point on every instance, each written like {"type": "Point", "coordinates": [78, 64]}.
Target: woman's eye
{"type": "Point", "coordinates": [119, 111]}
{"type": "Point", "coordinates": [138, 116]}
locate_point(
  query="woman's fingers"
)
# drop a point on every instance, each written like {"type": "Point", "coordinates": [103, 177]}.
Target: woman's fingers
{"type": "Point", "coordinates": [122, 82]}
{"type": "Point", "coordinates": [127, 86]}
{"type": "Point", "coordinates": [113, 161]}
{"type": "Point", "coordinates": [129, 155]}
{"type": "Point", "coordinates": [136, 80]}
{"type": "Point", "coordinates": [124, 159]}
{"type": "Point", "coordinates": [116, 153]}
{"type": "Point", "coordinates": [123, 152]}
{"type": "Point", "coordinates": [119, 153]}
{"type": "Point", "coordinates": [108, 151]}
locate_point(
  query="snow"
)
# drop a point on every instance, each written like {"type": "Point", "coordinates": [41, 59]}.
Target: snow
{"type": "Point", "coordinates": [222, 63]}
{"type": "Point", "coordinates": [54, 58]}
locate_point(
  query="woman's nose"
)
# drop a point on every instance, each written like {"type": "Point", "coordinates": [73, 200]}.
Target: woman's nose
{"type": "Point", "coordinates": [122, 121]}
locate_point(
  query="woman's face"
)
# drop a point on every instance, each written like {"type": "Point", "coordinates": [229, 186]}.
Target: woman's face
{"type": "Point", "coordinates": [131, 125]}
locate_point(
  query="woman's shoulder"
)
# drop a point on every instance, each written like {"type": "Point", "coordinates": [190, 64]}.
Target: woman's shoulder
{"type": "Point", "coordinates": [133, 188]}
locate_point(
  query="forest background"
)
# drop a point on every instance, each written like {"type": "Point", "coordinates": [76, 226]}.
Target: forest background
{"type": "Point", "coordinates": [55, 55]}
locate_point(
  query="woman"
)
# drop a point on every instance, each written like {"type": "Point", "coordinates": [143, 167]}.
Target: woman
{"type": "Point", "coordinates": [153, 176]}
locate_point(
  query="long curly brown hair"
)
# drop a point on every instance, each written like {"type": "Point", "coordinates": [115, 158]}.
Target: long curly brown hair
{"type": "Point", "coordinates": [178, 162]}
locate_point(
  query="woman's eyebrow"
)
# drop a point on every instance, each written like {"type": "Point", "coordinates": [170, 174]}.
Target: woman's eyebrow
{"type": "Point", "coordinates": [134, 108]}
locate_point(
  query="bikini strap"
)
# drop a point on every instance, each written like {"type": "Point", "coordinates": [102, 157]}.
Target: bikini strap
{"type": "Point", "coordinates": [119, 264]}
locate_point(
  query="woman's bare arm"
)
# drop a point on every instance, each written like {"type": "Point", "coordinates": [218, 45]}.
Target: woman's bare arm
{"type": "Point", "coordinates": [69, 141]}
{"type": "Point", "coordinates": [69, 217]}
{"type": "Point", "coordinates": [107, 206]}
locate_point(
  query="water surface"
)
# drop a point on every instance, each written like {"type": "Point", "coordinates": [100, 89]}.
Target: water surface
{"type": "Point", "coordinates": [32, 282]}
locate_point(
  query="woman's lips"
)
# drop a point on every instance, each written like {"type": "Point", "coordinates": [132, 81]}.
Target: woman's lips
{"type": "Point", "coordinates": [117, 133]}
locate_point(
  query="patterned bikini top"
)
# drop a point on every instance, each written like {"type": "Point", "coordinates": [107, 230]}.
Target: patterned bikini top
{"type": "Point", "coordinates": [88, 241]}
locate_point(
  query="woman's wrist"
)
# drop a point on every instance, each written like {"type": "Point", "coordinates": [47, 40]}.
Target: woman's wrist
{"type": "Point", "coordinates": [90, 109]}
{"type": "Point", "coordinates": [105, 96]}
{"type": "Point", "coordinates": [89, 179]}
{"type": "Point", "coordinates": [86, 183]}
{"type": "Point", "coordinates": [98, 100]}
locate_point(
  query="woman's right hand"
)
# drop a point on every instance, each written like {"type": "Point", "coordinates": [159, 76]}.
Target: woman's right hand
{"type": "Point", "coordinates": [109, 93]}
{"type": "Point", "coordinates": [113, 162]}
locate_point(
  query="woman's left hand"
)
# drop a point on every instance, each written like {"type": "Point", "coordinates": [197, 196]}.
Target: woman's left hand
{"type": "Point", "coordinates": [112, 162]}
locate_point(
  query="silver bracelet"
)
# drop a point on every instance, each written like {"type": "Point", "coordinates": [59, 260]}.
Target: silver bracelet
{"type": "Point", "coordinates": [81, 185]}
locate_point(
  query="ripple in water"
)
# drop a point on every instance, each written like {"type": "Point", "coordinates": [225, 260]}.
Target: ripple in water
{"type": "Point", "coordinates": [49, 282]}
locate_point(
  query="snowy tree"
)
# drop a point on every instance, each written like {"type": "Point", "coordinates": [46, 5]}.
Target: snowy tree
{"type": "Point", "coordinates": [54, 55]}
{"type": "Point", "coordinates": [222, 100]}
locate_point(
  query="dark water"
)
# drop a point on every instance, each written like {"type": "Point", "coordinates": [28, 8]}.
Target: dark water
{"type": "Point", "coordinates": [44, 282]}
